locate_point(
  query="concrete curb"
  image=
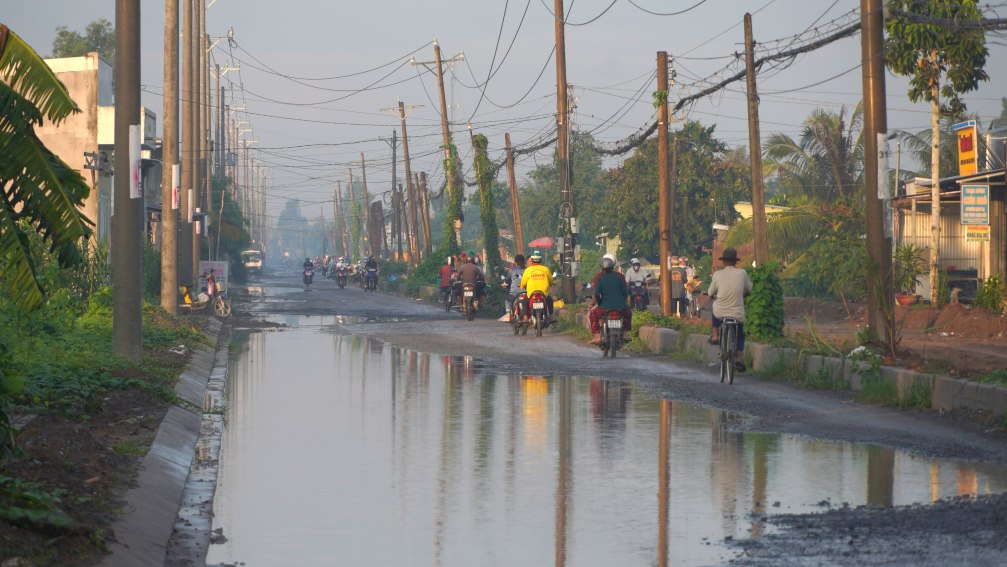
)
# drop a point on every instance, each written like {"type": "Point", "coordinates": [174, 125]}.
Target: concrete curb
{"type": "Point", "coordinates": [947, 393]}
{"type": "Point", "coordinates": [143, 528]}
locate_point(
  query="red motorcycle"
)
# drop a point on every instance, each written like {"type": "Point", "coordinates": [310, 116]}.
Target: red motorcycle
{"type": "Point", "coordinates": [611, 333]}
{"type": "Point", "coordinates": [539, 312]}
{"type": "Point", "coordinates": [520, 316]}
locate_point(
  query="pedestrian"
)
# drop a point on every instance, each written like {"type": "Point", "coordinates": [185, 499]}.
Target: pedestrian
{"type": "Point", "coordinates": [679, 302]}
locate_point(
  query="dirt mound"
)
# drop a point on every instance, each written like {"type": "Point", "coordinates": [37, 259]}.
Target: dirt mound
{"type": "Point", "coordinates": [957, 320]}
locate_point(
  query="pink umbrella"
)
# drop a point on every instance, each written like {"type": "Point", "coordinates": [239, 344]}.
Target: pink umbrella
{"type": "Point", "coordinates": [541, 242]}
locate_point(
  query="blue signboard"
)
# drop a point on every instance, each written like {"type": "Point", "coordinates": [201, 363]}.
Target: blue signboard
{"type": "Point", "coordinates": [975, 204]}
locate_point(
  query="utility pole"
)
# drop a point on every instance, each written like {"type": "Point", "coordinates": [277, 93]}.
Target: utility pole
{"type": "Point", "coordinates": [879, 319]}
{"type": "Point", "coordinates": [394, 143]}
{"type": "Point", "coordinates": [755, 151]}
{"type": "Point", "coordinates": [664, 185]}
{"type": "Point", "coordinates": [197, 132]}
{"type": "Point", "coordinates": [336, 244]}
{"type": "Point", "coordinates": [367, 208]}
{"type": "Point", "coordinates": [342, 219]}
{"type": "Point", "coordinates": [450, 167]}
{"type": "Point", "coordinates": [425, 213]}
{"type": "Point", "coordinates": [221, 138]}
{"type": "Point", "coordinates": [169, 173]}
{"type": "Point", "coordinates": [353, 215]}
{"type": "Point", "coordinates": [414, 245]}
{"type": "Point", "coordinates": [566, 213]}
{"type": "Point", "coordinates": [127, 224]}
{"type": "Point", "coordinates": [400, 220]}
{"type": "Point", "coordinates": [325, 240]}
{"type": "Point", "coordinates": [515, 207]}
{"type": "Point", "coordinates": [185, 234]}
{"type": "Point", "coordinates": [206, 121]}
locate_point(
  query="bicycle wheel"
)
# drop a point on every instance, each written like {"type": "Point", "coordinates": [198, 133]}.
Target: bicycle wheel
{"type": "Point", "coordinates": [221, 307]}
{"type": "Point", "coordinates": [723, 353]}
{"type": "Point", "coordinates": [730, 348]}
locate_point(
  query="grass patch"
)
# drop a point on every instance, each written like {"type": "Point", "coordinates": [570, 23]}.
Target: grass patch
{"type": "Point", "coordinates": [917, 396]}
{"type": "Point", "coordinates": [793, 370]}
{"type": "Point", "coordinates": [877, 391]}
{"type": "Point", "coordinates": [997, 377]}
{"type": "Point", "coordinates": [127, 449]}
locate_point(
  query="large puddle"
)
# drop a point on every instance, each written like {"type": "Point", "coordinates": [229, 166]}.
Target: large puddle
{"type": "Point", "coordinates": [340, 450]}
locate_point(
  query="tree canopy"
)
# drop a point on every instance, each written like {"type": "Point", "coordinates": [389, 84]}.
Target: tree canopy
{"type": "Point", "coordinates": [98, 36]}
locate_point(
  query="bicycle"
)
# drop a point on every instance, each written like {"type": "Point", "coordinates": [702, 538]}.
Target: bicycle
{"type": "Point", "coordinates": [728, 348]}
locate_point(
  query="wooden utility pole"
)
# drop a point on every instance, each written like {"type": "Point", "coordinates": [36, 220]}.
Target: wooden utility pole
{"type": "Point", "coordinates": [367, 208]}
{"type": "Point", "coordinates": [353, 215]}
{"type": "Point", "coordinates": [342, 219]}
{"type": "Point", "coordinates": [880, 290]}
{"type": "Point", "coordinates": [664, 186]}
{"type": "Point", "coordinates": [515, 207]}
{"type": "Point", "coordinates": [185, 234]}
{"type": "Point", "coordinates": [425, 213]}
{"type": "Point", "coordinates": [563, 162]}
{"type": "Point", "coordinates": [206, 119]}
{"type": "Point", "coordinates": [127, 224]}
{"type": "Point", "coordinates": [169, 173]}
{"type": "Point", "coordinates": [397, 222]}
{"type": "Point", "coordinates": [450, 173]}
{"type": "Point", "coordinates": [755, 151]}
{"type": "Point", "coordinates": [414, 246]}
{"type": "Point", "coordinates": [336, 244]}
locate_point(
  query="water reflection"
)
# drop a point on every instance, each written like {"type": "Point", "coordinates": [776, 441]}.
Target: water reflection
{"type": "Point", "coordinates": [342, 450]}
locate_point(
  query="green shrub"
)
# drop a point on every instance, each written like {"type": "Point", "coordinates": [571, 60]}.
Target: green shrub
{"type": "Point", "coordinates": [764, 307]}
{"type": "Point", "coordinates": [992, 294]}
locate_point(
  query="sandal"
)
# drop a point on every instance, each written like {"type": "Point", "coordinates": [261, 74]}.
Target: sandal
{"type": "Point", "coordinates": [739, 366]}
{"type": "Point", "coordinates": [713, 341]}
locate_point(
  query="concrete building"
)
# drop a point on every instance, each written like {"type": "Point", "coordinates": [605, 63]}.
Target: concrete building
{"type": "Point", "coordinates": [86, 141]}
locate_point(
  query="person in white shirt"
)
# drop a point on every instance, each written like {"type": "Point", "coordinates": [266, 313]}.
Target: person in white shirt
{"type": "Point", "coordinates": [728, 288]}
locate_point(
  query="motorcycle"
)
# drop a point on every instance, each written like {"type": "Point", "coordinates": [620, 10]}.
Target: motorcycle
{"type": "Point", "coordinates": [469, 304]}
{"type": "Point", "coordinates": [448, 295]}
{"type": "Point", "coordinates": [309, 276]}
{"type": "Point", "coordinates": [638, 295]}
{"type": "Point", "coordinates": [611, 333]}
{"type": "Point", "coordinates": [372, 279]}
{"type": "Point", "coordinates": [538, 311]}
{"type": "Point", "coordinates": [520, 316]}
{"type": "Point", "coordinates": [218, 299]}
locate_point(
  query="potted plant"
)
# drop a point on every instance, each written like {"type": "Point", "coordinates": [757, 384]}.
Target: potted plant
{"type": "Point", "coordinates": [909, 264]}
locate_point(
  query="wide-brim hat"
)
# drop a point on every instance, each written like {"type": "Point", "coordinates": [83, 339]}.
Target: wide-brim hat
{"type": "Point", "coordinates": [729, 255]}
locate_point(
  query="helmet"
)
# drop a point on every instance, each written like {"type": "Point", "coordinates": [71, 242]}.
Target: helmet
{"type": "Point", "coordinates": [635, 261]}
{"type": "Point", "coordinates": [536, 256]}
{"type": "Point", "coordinates": [447, 260]}
{"type": "Point", "coordinates": [610, 257]}
{"type": "Point", "coordinates": [607, 263]}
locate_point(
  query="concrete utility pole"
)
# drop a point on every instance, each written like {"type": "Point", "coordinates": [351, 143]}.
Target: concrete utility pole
{"type": "Point", "coordinates": [169, 150]}
{"type": "Point", "coordinates": [353, 203]}
{"type": "Point", "coordinates": [342, 220]}
{"type": "Point", "coordinates": [414, 245]}
{"type": "Point", "coordinates": [336, 244]}
{"type": "Point", "coordinates": [515, 207]}
{"type": "Point", "coordinates": [206, 120]}
{"type": "Point", "coordinates": [221, 146]}
{"type": "Point", "coordinates": [185, 271]}
{"type": "Point", "coordinates": [875, 126]}
{"type": "Point", "coordinates": [755, 151]}
{"type": "Point", "coordinates": [197, 133]}
{"type": "Point", "coordinates": [425, 213]}
{"type": "Point", "coordinates": [664, 186]}
{"type": "Point", "coordinates": [127, 224]}
{"type": "Point", "coordinates": [566, 213]}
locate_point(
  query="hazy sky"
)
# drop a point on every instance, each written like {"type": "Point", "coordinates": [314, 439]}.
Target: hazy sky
{"type": "Point", "coordinates": [317, 74]}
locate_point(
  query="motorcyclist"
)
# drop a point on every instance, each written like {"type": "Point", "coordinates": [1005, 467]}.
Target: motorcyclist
{"type": "Point", "coordinates": [513, 282]}
{"type": "Point", "coordinates": [610, 293]}
{"type": "Point", "coordinates": [371, 266]}
{"type": "Point", "coordinates": [597, 312]}
{"type": "Point", "coordinates": [636, 274]}
{"type": "Point", "coordinates": [470, 273]}
{"type": "Point", "coordinates": [308, 263]}
{"type": "Point", "coordinates": [445, 275]}
{"type": "Point", "coordinates": [537, 277]}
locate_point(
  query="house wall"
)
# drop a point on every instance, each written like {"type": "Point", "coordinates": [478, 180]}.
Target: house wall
{"type": "Point", "coordinates": [986, 258]}
{"type": "Point", "coordinates": [88, 80]}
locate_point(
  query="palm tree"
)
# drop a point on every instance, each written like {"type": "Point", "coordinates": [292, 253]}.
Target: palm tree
{"type": "Point", "coordinates": [38, 191]}
{"type": "Point", "coordinates": [826, 163]}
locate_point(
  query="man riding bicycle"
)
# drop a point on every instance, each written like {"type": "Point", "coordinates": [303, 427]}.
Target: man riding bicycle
{"type": "Point", "coordinates": [728, 288]}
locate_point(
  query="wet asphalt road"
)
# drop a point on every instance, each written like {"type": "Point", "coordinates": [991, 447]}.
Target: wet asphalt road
{"type": "Point", "coordinates": [762, 406]}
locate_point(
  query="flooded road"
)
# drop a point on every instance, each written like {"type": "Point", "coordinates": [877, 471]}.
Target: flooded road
{"type": "Point", "coordinates": [342, 450]}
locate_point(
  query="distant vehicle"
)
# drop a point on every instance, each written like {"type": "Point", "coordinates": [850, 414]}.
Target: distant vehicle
{"type": "Point", "coordinates": [252, 259]}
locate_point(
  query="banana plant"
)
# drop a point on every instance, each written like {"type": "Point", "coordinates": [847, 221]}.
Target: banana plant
{"type": "Point", "coordinates": [38, 191]}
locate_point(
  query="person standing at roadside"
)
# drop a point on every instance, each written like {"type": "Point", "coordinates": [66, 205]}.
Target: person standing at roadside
{"type": "Point", "coordinates": [679, 302]}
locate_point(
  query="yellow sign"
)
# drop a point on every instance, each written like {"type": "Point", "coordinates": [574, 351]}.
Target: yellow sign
{"type": "Point", "coordinates": [967, 147]}
{"type": "Point", "coordinates": [977, 233]}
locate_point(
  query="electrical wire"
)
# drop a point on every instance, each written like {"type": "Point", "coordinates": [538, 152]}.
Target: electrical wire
{"type": "Point", "coordinates": [641, 8]}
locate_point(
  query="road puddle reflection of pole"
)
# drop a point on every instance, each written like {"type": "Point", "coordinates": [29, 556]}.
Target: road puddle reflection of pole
{"type": "Point", "coordinates": [565, 478]}
{"type": "Point", "coordinates": [663, 480]}
{"type": "Point", "coordinates": [880, 475]}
